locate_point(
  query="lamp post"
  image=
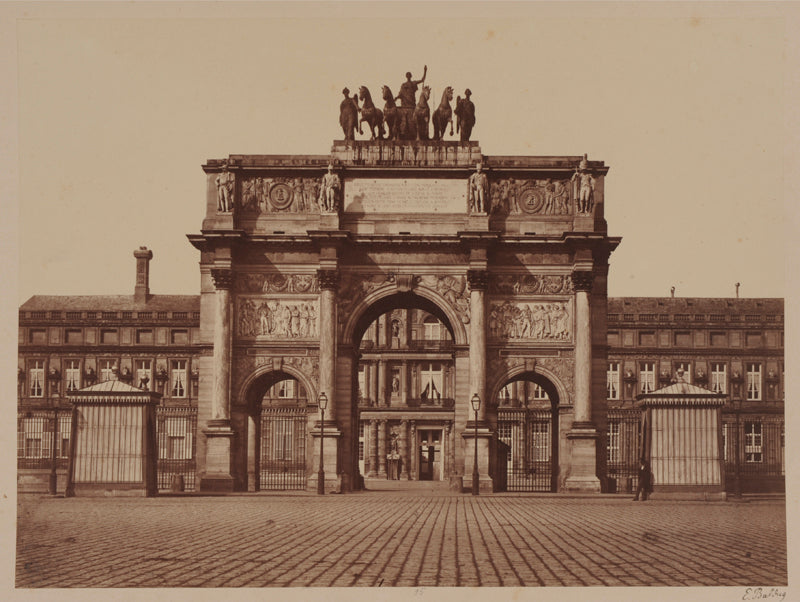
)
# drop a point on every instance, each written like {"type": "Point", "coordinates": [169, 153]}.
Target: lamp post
{"type": "Point", "coordinates": [323, 403]}
{"type": "Point", "coordinates": [476, 405]}
{"type": "Point", "coordinates": [53, 485]}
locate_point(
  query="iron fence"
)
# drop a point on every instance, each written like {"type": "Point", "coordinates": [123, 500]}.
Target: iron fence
{"type": "Point", "coordinates": [36, 435]}
{"type": "Point", "coordinates": [623, 448]}
{"type": "Point", "coordinates": [754, 452]}
{"type": "Point", "coordinates": [283, 449]}
{"type": "Point", "coordinates": [176, 433]}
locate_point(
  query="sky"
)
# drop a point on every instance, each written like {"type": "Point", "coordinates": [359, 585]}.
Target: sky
{"type": "Point", "coordinates": [118, 108]}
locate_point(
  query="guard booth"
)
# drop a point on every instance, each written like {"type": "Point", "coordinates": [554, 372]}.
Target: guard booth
{"type": "Point", "coordinates": [683, 441]}
{"type": "Point", "coordinates": [113, 447]}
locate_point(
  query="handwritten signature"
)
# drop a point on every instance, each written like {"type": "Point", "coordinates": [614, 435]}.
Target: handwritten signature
{"type": "Point", "coordinates": [763, 593]}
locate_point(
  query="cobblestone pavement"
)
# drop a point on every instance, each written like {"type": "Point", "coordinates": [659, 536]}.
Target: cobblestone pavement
{"type": "Point", "coordinates": [371, 539]}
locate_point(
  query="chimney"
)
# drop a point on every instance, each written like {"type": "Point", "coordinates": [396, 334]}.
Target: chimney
{"type": "Point", "coordinates": [141, 292]}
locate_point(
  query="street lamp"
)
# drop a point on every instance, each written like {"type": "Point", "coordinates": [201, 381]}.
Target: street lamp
{"type": "Point", "coordinates": [476, 405]}
{"type": "Point", "coordinates": [323, 403]}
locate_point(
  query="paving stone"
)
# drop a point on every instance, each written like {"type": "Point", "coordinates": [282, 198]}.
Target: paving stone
{"type": "Point", "coordinates": [382, 539]}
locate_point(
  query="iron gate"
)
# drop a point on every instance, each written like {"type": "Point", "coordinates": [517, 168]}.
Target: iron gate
{"type": "Point", "coordinates": [529, 436]}
{"type": "Point", "coordinates": [283, 449]}
{"type": "Point", "coordinates": [754, 452]}
{"type": "Point", "coordinates": [176, 432]}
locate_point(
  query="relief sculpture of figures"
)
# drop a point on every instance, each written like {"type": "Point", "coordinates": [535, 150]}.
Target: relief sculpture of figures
{"type": "Point", "coordinates": [277, 319]}
{"type": "Point", "coordinates": [465, 115]}
{"type": "Point", "coordinates": [348, 115]}
{"type": "Point", "coordinates": [329, 191]}
{"type": "Point", "coordinates": [538, 321]}
{"type": "Point", "coordinates": [583, 182]}
{"type": "Point", "coordinates": [478, 190]}
{"type": "Point", "coordinates": [224, 182]}
{"type": "Point", "coordinates": [268, 195]}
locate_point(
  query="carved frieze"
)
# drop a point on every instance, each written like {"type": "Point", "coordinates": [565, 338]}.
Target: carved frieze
{"type": "Point", "coordinates": [277, 319]}
{"type": "Point", "coordinates": [530, 284]}
{"type": "Point", "coordinates": [510, 196]}
{"type": "Point", "coordinates": [542, 321]}
{"type": "Point", "coordinates": [276, 283]}
{"type": "Point", "coordinates": [262, 194]}
{"type": "Point", "coordinates": [453, 289]}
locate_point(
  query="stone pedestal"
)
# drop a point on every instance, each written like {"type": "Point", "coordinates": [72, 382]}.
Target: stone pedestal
{"type": "Point", "coordinates": [330, 458]}
{"type": "Point", "coordinates": [485, 483]}
{"type": "Point", "coordinates": [582, 475]}
{"type": "Point", "coordinates": [329, 221]}
{"type": "Point", "coordinates": [478, 221]}
{"type": "Point", "coordinates": [219, 439]}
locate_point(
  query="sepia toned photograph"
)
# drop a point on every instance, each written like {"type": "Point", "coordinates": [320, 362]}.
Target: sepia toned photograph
{"type": "Point", "coordinates": [455, 299]}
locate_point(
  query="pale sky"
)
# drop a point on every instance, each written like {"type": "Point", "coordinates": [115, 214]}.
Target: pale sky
{"type": "Point", "coordinates": [117, 113]}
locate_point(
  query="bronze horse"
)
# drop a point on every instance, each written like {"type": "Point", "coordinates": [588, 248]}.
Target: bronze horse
{"type": "Point", "coordinates": [422, 113]}
{"type": "Point", "coordinates": [371, 114]}
{"type": "Point", "coordinates": [390, 115]}
{"type": "Point", "coordinates": [443, 114]}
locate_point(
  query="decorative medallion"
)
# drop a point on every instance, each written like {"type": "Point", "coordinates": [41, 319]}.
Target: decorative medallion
{"type": "Point", "coordinates": [280, 196]}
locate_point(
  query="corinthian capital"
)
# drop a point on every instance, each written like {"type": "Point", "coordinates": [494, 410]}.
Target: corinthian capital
{"type": "Point", "coordinates": [223, 278]}
{"type": "Point", "coordinates": [328, 279]}
{"type": "Point", "coordinates": [582, 280]}
{"type": "Point", "coordinates": [478, 279]}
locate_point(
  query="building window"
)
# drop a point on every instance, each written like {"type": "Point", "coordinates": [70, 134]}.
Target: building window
{"type": "Point", "coordinates": [719, 377]}
{"type": "Point", "coordinates": [176, 443]}
{"type": "Point", "coordinates": [73, 336]}
{"type": "Point", "coordinates": [754, 382]}
{"type": "Point", "coordinates": [613, 441]}
{"type": "Point", "coordinates": [144, 376]}
{"type": "Point", "coordinates": [72, 373]}
{"type": "Point", "coordinates": [752, 442]}
{"type": "Point", "coordinates": [612, 381]}
{"type": "Point", "coordinates": [647, 377]}
{"type": "Point", "coordinates": [107, 370]}
{"type": "Point", "coordinates": [540, 442]}
{"type": "Point", "coordinates": [144, 336]}
{"type": "Point", "coordinates": [687, 371]}
{"type": "Point", "coordinates": [37, 336]}
{"type": "Point", "coordinates": [431, 381]}
{"type": "Point", "coordinates": [109, 336]}
{"type": "Point", "coordinates": [683, 338]}
{"type": "Point", "coordinates": [36, 378]}
{"type": "Point", "coordinates": [362, 382]}
{"type": "Point", "coordinates": [286, 389]}
{"type": "Point", "coordinates": [539, 394]}
{"type": "Point", "coordinates": [178, 378]}
{"type": "Point", "coordinates": [180, 337]}
{"type": "Point", "coordinates": [433, 329]}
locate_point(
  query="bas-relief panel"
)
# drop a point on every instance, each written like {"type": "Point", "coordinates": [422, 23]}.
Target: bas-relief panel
{"type": "Point", "coordinates": [278, 195]}
{"type": "Point", "coordinates": [542, 320]}
{"type": "Point", "coordinates": [274, 282]}
{"type": "Point", "coordinates": [282, 319]}
{"type": "Point", "coordinates": [530, 284]}
{"type": "Point", "coordinates": [510, 196]}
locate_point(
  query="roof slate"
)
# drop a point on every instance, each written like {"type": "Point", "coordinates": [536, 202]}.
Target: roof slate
{"type": "Point", "coordinates": [111, 303]}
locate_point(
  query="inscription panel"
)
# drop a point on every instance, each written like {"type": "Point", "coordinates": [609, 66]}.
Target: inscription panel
{"type": "Point", "coordinates": [411, 195]}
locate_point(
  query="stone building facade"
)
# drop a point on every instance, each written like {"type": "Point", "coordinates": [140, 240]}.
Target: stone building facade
{"type": "Point", "coordinates": [371, 275]}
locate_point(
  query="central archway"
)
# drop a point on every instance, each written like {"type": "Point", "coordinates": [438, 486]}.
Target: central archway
{"type": "Point", "coordinates": [404, 387]}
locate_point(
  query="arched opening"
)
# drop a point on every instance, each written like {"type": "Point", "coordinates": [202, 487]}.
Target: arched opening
{"type": "Point", "coordinates": [405, 380]}
{"type": "Point", "coordinates": [276, 405]}
{"type": "Point", "coordinates": [527, 428]}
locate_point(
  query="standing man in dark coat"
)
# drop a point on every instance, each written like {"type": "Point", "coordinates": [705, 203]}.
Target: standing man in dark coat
{"type": "Point", "coordinates": [645, 481]}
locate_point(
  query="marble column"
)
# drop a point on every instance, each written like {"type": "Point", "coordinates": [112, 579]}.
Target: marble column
{"type": "Point", "coordinates": [478, 283]}
{"type": "Point", "coordinates": [252, 454]}
{"type": "Point", "coordinates": [373, 449]}
{"type": "Point", "coordinates": [404, 474]}
{"type": "Point", "coordinates": [382, 449]}
{"type": "Point", "coordinates": [582, 436]}
{"type": "Point", "coordinates": [218, 433]}
{"type": "Point", "coordinates": [328, 283]}
{"type": "Point", "coordinates": [382, 398]}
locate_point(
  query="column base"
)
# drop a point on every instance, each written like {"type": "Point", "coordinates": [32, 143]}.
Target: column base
{"type": "Point", "coordinates": [485, 484]}
{"type": "Point", "coordinates": [583, 460]}
{"type": "Point", "coordinates": [219, 438]}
